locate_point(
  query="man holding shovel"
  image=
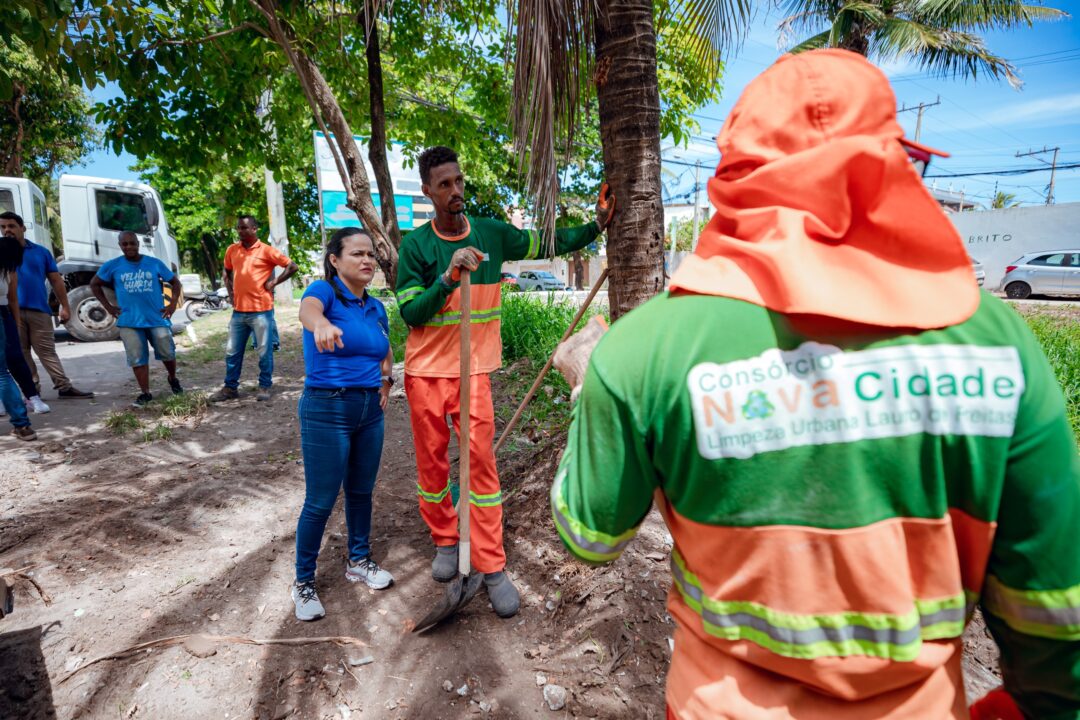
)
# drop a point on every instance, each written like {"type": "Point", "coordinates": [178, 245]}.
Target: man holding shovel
{"type": "Point", "coordinates": [429, 266]}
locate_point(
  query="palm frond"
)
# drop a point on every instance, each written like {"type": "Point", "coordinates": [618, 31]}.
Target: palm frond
{"type": "Point", "coordinates": [714, 28]}
{"type": "Point", "coordinates": [816, 42]}
{"type": "Point", "coordinates": [979, 15]}
{"type": "Point", "coordinates": [553, 53]}
{"type": "Point", "coordinates": [944, 53]}
{"type": "Point", "coordinates": [796, 25]}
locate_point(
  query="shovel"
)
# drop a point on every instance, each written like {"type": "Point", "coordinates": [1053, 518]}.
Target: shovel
{"type": "Point", "coordinates": [464, 587]}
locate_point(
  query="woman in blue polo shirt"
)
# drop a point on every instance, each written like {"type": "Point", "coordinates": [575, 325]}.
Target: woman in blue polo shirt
{"type": "Point", "coordinates": [347, 358]}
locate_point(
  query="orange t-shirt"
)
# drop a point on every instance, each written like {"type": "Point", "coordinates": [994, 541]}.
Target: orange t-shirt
{"type": "Point", "coordinates": [251, 268]}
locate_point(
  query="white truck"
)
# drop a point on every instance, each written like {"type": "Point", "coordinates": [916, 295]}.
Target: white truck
{"type": "Point", "coordinates": [93, 213]}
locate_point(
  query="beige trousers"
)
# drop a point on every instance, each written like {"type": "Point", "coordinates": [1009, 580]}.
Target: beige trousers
{"type": "Point", "coordinates": [36, 332]}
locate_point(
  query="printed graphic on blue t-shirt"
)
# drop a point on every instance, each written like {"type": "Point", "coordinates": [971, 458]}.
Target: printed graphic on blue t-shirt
{"type": "Point", "coordinates": [37, 263]}
{"type": "Point", "coordinates": [138, 290]}
{"type": "Point", "coordinates": [365, 332]}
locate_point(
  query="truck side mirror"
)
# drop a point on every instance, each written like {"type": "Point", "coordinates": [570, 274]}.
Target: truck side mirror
{"type": "Point", "coordinates": [153, 217]}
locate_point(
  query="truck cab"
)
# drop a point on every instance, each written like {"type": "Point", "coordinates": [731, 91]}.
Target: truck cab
{"type": "Point", "coordinates": [93, 213]}
{"type": "Point", "coordinates": [24, 198]}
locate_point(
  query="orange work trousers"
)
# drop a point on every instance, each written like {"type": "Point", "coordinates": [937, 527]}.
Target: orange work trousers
{"type": "Point", "coordinates": [431, 399]}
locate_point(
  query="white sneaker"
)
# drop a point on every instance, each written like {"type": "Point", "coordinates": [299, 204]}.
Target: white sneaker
{"type": "Point", "coordinates": [307, 602]}
{"type": "Point", "coordinates": [368, 572]}
{"type": "Point", "coordinates": [37, 405]}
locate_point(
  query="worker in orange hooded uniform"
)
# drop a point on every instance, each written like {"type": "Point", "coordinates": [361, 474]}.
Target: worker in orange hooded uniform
{"type": "Point", "coordinates": [851, 445]}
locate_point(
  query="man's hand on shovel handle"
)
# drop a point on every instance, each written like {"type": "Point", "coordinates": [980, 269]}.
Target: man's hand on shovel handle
{"type": "Point", "coordinates": [467, 258]}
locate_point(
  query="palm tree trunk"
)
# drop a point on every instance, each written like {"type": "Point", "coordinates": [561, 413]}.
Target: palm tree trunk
{"type": "Point", "coordinates": [629, 104]}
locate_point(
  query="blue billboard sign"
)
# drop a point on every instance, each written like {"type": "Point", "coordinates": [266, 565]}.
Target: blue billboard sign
{"type": "Point", "coordinates": [336, 214]}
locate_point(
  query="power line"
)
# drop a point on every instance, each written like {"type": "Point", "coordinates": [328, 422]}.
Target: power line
{"type": "Point", "coordinates": [1016, 171]}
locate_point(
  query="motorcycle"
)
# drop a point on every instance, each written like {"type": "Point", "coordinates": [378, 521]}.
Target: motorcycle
{"type": "Point", "coordinates": [204, 303]}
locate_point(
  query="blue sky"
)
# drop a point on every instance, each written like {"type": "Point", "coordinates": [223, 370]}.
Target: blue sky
{"type": "Point", "coordinates": [982, 123]}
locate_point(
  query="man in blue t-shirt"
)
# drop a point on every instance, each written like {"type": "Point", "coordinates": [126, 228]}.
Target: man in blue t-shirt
{"type": "Point", "coordinates": [142, 317]}
{"type": "Point", "coordinates": [35, 316]}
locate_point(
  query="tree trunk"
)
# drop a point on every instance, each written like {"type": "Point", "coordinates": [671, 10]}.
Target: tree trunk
{"type": "Point", "coordinates": [629, 104]}
{"type": "Point", "coordinates": [857, 38]}
{"type": "Point", "coordinates": [377, 142]}
{"type": "Point", "coordinates": [350, 164]}
{"type": "Point", "coordinates": [579, 271]}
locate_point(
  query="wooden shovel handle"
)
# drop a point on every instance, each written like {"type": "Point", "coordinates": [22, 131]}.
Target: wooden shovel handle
{"type": "Point", "coordinates": [464, 504]}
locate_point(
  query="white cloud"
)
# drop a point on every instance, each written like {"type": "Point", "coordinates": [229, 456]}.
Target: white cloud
{"type": "Point", "coordinates": [1043, 112]}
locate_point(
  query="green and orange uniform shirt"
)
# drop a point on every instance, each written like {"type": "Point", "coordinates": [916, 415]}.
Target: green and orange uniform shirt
{"type": "Point", "coordinates": [433, 367]}
{"type": "Point", "coordinates": [839, 506]}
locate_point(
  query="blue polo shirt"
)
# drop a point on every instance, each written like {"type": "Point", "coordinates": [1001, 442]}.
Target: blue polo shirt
{"type": "Point", "coordinates": [365, 332]}
{"type": "Point", "coordinates": [37, 263]}
{"type": "Point", "coordinates": [138, 290]}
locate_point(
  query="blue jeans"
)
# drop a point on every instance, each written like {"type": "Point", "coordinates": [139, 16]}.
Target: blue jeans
{"type": "Point", "coordinates": [341, 434]}
{"type": "Point", "coordinates": [241, 327]}
{"type": "Point", "coordinates": [16, 362]}
{"type": "Point", "coordinates": [12, 400]}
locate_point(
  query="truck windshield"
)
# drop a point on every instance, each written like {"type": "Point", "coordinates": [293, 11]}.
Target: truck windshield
{"type": "Point", "coordinates": [121, 211]}
{"type": "Point", "coordinates": [7, 201]}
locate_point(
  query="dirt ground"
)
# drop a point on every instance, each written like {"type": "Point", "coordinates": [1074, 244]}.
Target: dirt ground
{"type": "Point", "coordinates": [137, 541]}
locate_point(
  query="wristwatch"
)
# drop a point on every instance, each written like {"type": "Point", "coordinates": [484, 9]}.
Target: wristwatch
{"type": "Point", "coordinates": [388, 379]}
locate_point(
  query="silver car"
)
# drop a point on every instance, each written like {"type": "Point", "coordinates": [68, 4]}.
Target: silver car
{"type": "Point", "coordinates": [539, 280]}
{"type": "Point", "coordinates": [1050, 272]}
{"type": "Point", "coordinates": [979, 270]}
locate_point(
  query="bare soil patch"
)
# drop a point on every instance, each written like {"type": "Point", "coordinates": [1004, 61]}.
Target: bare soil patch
{"type": "Point", "coordinates": [193, 532]}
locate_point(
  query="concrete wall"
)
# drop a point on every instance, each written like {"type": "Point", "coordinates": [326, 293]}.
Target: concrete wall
{"type": "Point", "coordinates": [997, 237]}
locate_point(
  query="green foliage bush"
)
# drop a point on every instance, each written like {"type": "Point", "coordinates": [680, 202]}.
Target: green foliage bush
{"type": "Point", "coordinates": [1060, 340]}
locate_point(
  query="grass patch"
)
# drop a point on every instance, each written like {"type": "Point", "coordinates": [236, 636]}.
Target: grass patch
{"type": "Point", "coordinates": [533, 325]}
{"type": "Point", "coordinates": [185, 406]}
{"type": "Point", "coordinates": [121, 422]}
{"type": "Point", "coordinates": [158, 432]}
{"type": "Point", "coordinates": [1059, 336]}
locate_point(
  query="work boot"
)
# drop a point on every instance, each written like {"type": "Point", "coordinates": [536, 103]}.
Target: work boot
{"type": "Point", "coordinates": [444, 566]}
{"type": "Point", "coordinates": [368, 572]}
{"type": "Point", "coordinates": [263, 395]}
{"type": "Point", "coordinates": [73, 393]}
{"type": "Point", "coordinates": [225, 393]}
{"type": "Point", "coordinates": [24, 433]}
{"type": "Point", "coordinates": [502, 593]}
{"type": "Point", "coordinates": [307, 602]}
{"type": "Point", "coordinates": [175, 386]}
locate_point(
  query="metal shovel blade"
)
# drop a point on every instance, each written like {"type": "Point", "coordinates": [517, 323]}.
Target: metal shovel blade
{"type": "Point", "coordinates": [458, 594]}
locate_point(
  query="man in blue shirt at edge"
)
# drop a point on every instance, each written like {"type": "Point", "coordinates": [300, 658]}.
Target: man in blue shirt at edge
{"type": "Point", "coordinates": [35, 317]}
{"type": "Point", "coordinates": [137, 281]}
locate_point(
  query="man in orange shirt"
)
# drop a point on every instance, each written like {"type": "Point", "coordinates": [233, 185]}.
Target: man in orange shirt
{"type": "Point", "coordinates": [249, 277]}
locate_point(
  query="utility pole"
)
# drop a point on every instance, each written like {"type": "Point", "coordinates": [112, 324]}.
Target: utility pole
{"type": "Point", "coordinates": [697, 190]}
{"type": "Point", "coordinates": [275, 202]}
{"type": "Point", "coordinates": [920, 108]}
{"type": "Point", "coordinates": [1053, 167]}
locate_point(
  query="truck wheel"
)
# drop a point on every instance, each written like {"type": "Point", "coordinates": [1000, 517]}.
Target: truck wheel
{"type": "Point", "coordinates": [1017, 290]}
{"type": "Point", "coordinates": [89, 322]}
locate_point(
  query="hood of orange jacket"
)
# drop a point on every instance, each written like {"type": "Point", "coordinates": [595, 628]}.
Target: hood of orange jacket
{"type": "Point", "coordinates": [819, 209]}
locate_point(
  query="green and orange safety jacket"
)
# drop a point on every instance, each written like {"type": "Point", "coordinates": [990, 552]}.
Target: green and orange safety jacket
{"type": "Point", "coordinates": [839, 505]}
{"type": "Point", "coordinates": [433, 310]}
